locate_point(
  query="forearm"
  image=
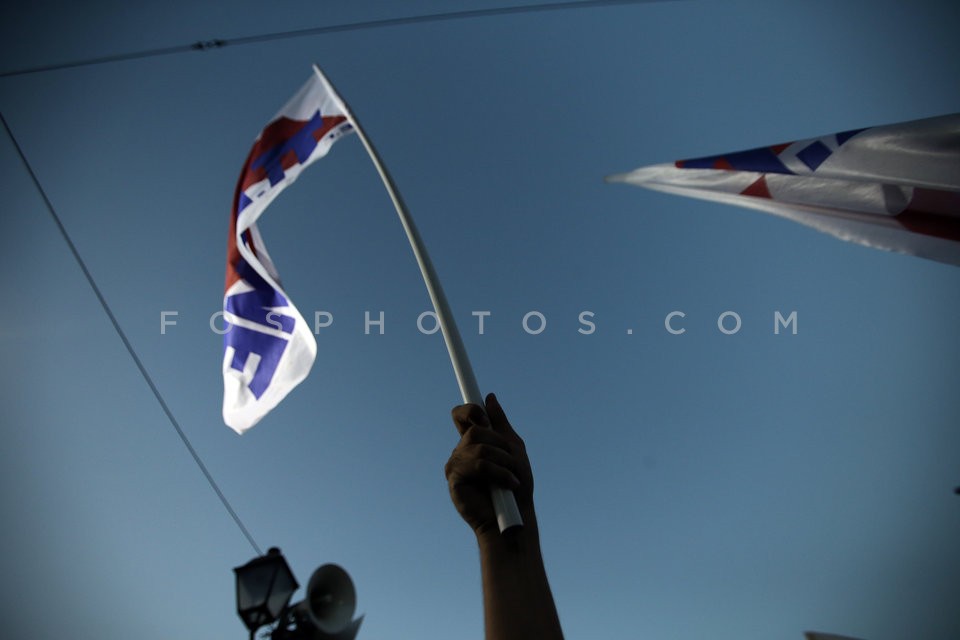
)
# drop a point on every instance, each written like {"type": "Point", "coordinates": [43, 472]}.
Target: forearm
{"type": "Point", "coordinates": [518, 604]}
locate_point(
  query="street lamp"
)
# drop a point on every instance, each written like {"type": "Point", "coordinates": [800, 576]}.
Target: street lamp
{"type": "Point", "coordinates": [264, 588]}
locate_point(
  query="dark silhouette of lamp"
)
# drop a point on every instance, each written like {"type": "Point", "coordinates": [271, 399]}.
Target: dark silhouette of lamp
{"type": "Point", "coordinates": [264, 588]}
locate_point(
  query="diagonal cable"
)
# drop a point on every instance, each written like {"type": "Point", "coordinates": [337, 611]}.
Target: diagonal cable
{"type": "Point", "coordinates": [205, 45]}
{"type": "Point", "coordinates": [126, 341]}
{"type": "Point", "coordinates": [215, 44]}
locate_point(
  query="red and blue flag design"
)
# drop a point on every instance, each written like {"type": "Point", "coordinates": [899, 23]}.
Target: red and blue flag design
{"type": "Point", "coordinates": [894, 187]}
{"type": "Point", "coordinates": [268, 347]}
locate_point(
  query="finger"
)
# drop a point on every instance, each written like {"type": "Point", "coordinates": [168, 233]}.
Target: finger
{"type": "Point", "coordinates": [467, 415]}
{"type": "Point", "coordinates": [476, 435]}
{"type": "Point", "coordinates": [490, 453]}
{"type": "Point", "coordinates": [479, 471]}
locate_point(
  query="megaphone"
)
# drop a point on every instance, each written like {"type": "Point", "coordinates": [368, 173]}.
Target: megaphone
{"type": "Point", "coordinates": [330, 603]}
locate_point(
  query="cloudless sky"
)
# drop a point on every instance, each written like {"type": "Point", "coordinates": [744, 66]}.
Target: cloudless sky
{"type": "Point", "coordinates": [732, 487]}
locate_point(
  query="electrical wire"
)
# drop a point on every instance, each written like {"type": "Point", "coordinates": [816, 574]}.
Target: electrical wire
{"type": "Point", "coordinates": [206, 45]}
{"type": "Point", "coordinates": [126, 341]}
{"type": "Point", "coordinates": [216, 44]}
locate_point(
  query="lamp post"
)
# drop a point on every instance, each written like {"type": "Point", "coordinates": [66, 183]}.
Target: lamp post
{"type": "Point", "coordinates": [264, 588]}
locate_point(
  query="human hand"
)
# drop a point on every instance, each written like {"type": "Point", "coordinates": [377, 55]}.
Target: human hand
{"type": "Point", "coordinates": [490, 453]}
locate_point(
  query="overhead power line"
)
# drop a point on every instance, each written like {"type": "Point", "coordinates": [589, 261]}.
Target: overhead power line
{"type": "Point", "coordinates": [216, 44]}
{"type": "Point", "coordinates": [206, 45]}
{"type": "Point", "coordinates": [126, 341]}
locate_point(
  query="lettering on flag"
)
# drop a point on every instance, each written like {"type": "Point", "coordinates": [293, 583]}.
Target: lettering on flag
{"type": "Point", "coordinates": [268, 348]}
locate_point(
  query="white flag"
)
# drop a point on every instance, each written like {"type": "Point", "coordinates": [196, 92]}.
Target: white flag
{"type": "Point", "coordinates": [894, 187]}
{"type": "Point", "coordinates": [268, 347]}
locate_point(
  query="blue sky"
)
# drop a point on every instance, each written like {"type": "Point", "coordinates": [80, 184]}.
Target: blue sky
{"type": "Point", "coordinates": [703, 485]}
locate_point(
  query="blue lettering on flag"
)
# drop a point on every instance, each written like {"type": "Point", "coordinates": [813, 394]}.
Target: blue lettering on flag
{"type": "Point", "coordinates": [302, 143]}
{"type": "Point", "coordinates": [246, 342]}
{"type": "Point", "coordinates": [257, 306]}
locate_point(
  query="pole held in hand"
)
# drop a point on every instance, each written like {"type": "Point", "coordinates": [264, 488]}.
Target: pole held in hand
{"type": "Point", "coordinates": [504, 503]}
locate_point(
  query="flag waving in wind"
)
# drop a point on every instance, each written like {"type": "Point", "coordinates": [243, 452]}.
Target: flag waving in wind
{"type": "Point", "coordinates": [268, 347]}
{"type": "Point", "coordinates": [895, 187]}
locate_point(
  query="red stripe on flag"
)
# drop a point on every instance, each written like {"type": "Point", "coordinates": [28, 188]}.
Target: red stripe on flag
{"type": "Point", "coordinates": [329, 122]}
{"type": "Point", "coordinates": [275, 134]}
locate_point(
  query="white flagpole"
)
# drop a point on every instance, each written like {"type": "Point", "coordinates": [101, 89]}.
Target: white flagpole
{"type": "Point", "coordinates": [504, 503]}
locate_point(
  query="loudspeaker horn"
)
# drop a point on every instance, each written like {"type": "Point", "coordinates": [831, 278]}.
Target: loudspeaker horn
{"type": "Point", "coordinates": [331, 601]}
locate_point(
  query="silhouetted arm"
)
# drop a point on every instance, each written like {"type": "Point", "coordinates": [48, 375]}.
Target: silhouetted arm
{"type": "Point", "coordinates": [517, 602]}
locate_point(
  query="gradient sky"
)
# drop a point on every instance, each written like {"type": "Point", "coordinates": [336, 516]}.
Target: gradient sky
{"type": "Point", "coordinates": [742, 487]}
